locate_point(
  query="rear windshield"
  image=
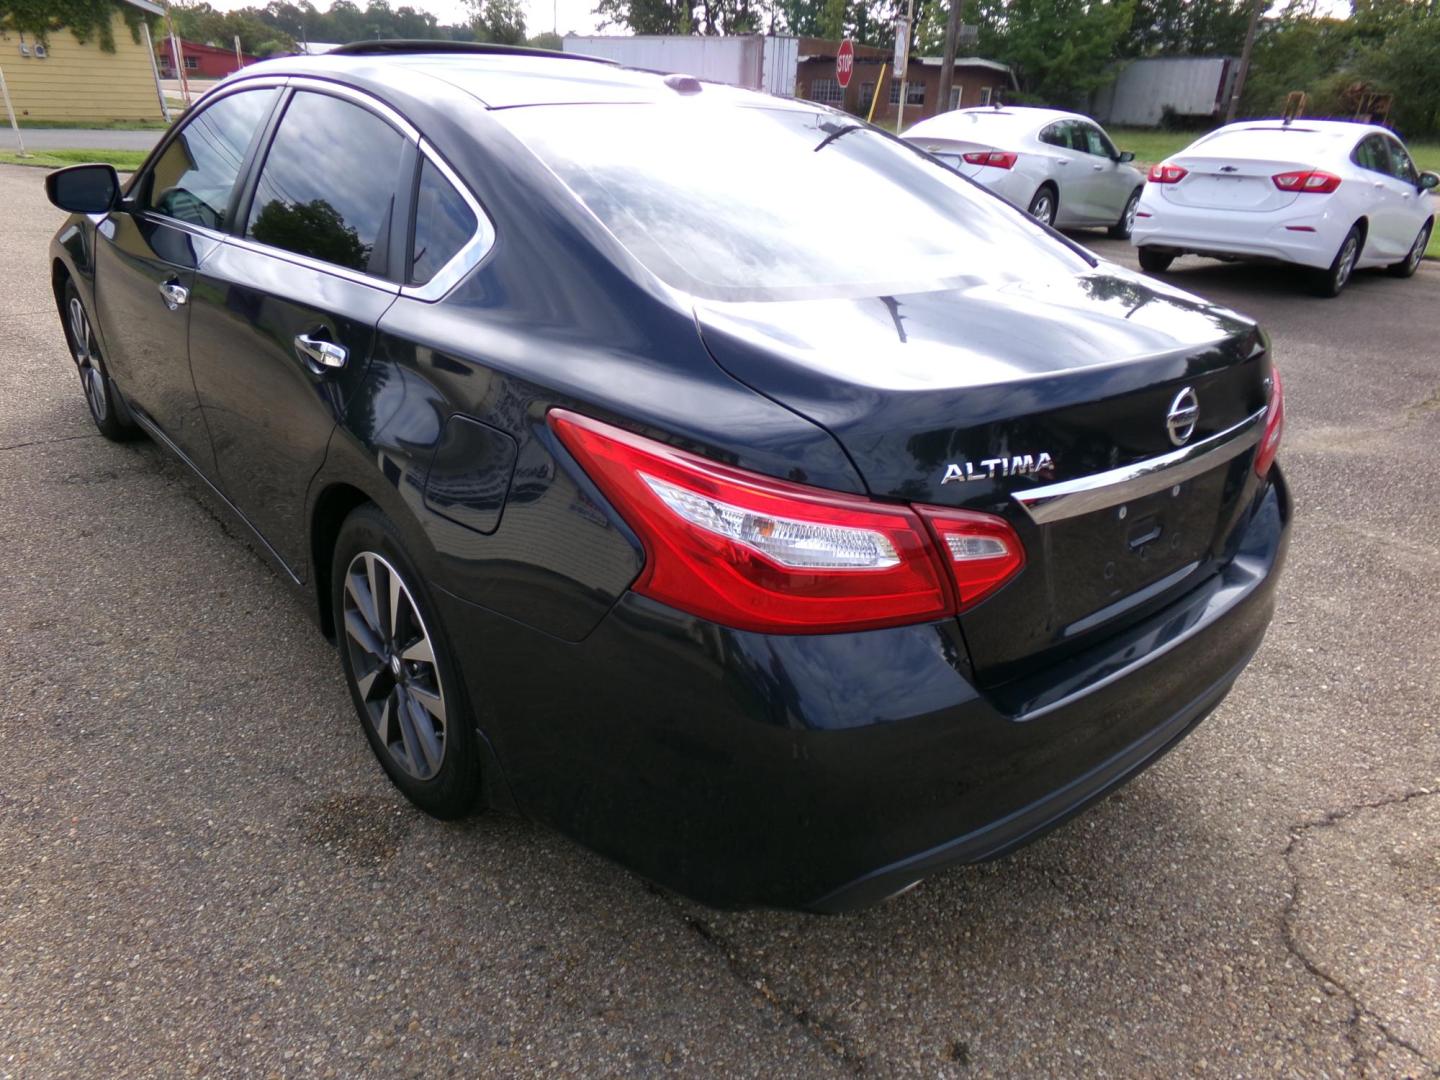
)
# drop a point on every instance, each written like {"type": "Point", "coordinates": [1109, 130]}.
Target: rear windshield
{"type": "Point", "coordinates": [781, 203]}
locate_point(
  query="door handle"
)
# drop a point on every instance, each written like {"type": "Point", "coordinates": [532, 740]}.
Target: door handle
{"type": "Point", "coordinates": [319, 354]}
{"type": "Point", "coordinates": [1061, 161]}
{"type": "Point", "coordinates": [1097, 168]}
{"type": "Point", "coordinates": [174, 293]}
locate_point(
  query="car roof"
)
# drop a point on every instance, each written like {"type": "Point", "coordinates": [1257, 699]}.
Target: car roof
{"type": "Point", "coordinates": [505, 78]}
{"type": "Point", "coordinates": [1299, 128]}
{"type": "Point", "coordinates": [1018, 118]}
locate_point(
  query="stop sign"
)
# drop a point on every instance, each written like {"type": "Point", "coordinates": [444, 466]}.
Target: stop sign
{"type": "Point", "coordinates": [845, 62]}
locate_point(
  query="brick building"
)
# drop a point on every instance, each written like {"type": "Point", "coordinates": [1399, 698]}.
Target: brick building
{"type": "Point", "coordinates": [975, 82]}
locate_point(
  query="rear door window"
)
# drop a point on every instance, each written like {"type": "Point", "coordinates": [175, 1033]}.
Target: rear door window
{"type": "Point", "coordinates": [193, 178]}
{"type": "Point", "coordinates": [330, 183]}
{"type": "Point", "coordinates": [444, 223]}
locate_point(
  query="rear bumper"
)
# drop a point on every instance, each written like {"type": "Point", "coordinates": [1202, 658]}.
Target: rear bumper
{"type": "Point", "coordinates": [828, 772]}
{"type": "Point", "coordinates": [1258, 235]}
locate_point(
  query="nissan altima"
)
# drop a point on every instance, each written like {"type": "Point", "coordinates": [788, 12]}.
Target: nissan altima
{"type": "Point", "coordinates": [782, 556]}
{"type": "Point", "coordinates": [1328, 195]}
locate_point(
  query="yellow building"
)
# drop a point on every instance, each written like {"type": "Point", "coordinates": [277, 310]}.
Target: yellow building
{"type": "Point", "coordinates": [65, 79]}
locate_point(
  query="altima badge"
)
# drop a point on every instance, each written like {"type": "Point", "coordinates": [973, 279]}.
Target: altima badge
{"type": "Point", "coordinates": [998, 467]}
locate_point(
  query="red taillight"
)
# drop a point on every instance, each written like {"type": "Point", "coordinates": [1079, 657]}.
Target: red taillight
{"type": "Point", "coordinates": [996, 159]}
{"type": "Point", "coordinates": [755, 553]}
{"type": "Point", "coordinates": [1167, 174]}
{"type": "Point", "coordinates": [981, 550]}
{"type": "Point", "coordinates": [1314, 181]}
{"type": "Point", "coordinates": [1274, 426]}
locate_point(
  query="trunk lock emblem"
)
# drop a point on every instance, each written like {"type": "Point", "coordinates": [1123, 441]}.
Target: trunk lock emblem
{"type": "Point", "coordinates": [1181, 419]}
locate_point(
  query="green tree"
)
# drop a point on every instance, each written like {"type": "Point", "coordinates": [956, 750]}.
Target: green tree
{"type": "Point", "coordinates": [499, 21]}
{"type": "Point", "coordinates": [1060, 50]}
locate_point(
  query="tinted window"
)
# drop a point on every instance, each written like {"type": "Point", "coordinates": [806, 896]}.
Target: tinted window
{"type": "Point", "coordinates": [329, 184]}
{"type": "Point", "coordinates": [443, 223]}
{"type": "Point", "coordinates": [761, 203]}
{"type": "Point", "coordinates": [1065, 135]}
{"type": "Point", "coordinates": [192, 180]}
{"type": "Point", "coordinates": [1093, 141]}
{"type": "Point", "coordinates": [1401, 167]}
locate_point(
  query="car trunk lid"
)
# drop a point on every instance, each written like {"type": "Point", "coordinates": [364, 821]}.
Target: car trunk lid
{"type": "Point", "coordinates": [978, 397]}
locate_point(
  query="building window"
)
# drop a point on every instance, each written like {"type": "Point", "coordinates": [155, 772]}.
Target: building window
{"type": "Point", "coordinates": [985, 95]}
{"type": "Point", "coordinates": [955, 96]}
{"type": "Point", "coordinates": [192, 63]}
{"type": "Point", "coordinates": [867, 93]}
{"type": "Point", "coordinates": [828, 91]}
{"type": "Point", "coordinates": [914, 93]}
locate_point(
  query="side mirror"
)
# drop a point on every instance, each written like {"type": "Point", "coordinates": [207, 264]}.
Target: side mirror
{"type": "Point", "coordinates": [1125, 157]}
{"type": "Point", "coordinates": [84, 189]}
{"type": "Point", "coordinates": [1429, 181]}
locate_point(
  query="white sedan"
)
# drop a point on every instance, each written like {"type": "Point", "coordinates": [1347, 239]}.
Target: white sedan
{"type": "Point", "coordinates": [1330, 195]}
{"type": "Point", "coordinates": [1059, 166]}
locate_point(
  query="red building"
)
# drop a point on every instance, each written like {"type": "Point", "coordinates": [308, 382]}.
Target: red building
{"type": "Point", "coordinates": [975, 81]}
{"type": "Point", "coordinates": [201, 61]}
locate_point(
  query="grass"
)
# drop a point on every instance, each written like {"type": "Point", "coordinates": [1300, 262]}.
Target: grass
{"type": "Point", "coordinates": [1152, 146]}
{"type": "Point", "coordinates": [124, 160]}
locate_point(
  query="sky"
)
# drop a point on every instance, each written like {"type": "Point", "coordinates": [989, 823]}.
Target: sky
{"type": "Point", "coordinates": [540, 15]}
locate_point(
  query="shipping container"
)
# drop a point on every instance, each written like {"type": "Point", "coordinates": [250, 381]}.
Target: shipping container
{"type": "Point", "coordinates": [752, 61]}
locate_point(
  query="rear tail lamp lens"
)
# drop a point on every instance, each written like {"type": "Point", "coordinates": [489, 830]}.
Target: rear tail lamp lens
{"type": "Point", "coordinates": [1274, 426]}
{"type": "Point", "coordinates": [756, 553]}
{"type": "Point", "coordinates": [997, 159]}
{"type": "Point", "coordinates": [1167, 174]}
{"type": "Point", "coordinates": [1313, 181]}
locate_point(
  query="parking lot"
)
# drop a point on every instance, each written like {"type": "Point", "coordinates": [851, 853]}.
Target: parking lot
{"type": "Point", "coordinates": [203, 870]}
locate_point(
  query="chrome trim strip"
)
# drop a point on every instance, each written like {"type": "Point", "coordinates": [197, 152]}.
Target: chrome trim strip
{"type": "Point", "coordinates": [474, 250]}
{"type": "Point", "coordinates": [318, 265]}
{"type": "Point", "coordinates": [364, 100]}
{"type": "Point", "coordinates": [1071, 498]}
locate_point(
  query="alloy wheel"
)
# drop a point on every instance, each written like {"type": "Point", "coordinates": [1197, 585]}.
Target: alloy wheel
{"type": "Point", "coordinates": [82, 344]}
{"type": "Point", "coordinates": [1042, 209]}
{"type": "Point", "coordinates": [392, 660]}
{"type": "Point", "coordinates": [1417, 251]}
{"type": "Point", "coordinates": [1131, 208]}
{"type": "Point", "coordinates": [1347, 262]}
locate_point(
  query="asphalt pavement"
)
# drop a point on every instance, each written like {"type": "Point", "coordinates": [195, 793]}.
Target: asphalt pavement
{"type": "Point", "coordinates": [77, 138]}
{"type": "Point", "coordinates": [203, 871]}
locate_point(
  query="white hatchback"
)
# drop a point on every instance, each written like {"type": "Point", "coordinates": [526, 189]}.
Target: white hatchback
{"type": "Point", "coordinates": [1330, 195]}
{"type": "Point", "coordinates": [1059, 166]}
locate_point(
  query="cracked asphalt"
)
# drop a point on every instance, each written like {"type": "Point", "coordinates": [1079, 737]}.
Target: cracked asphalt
{"type": "Point", "coordinates": [204, 872]}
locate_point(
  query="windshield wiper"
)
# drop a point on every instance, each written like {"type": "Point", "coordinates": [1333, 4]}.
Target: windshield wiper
{"type": "Point", "coordinates": [845, 130]}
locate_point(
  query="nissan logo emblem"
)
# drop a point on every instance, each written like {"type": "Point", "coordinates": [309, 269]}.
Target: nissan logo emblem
{"type": "Point", "coordinates": [1180, 420]}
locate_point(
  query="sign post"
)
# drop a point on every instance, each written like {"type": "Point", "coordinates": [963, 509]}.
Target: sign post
{"type": "Point", "coordinates": [845, 63]}
{"type": "Point", "coordinates": [902, 58]}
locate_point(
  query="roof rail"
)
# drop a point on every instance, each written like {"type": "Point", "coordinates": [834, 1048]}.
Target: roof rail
{"type": "Point", "coordinates": [403, 46]}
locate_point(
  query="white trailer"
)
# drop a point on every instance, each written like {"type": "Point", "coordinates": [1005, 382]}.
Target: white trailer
{"type": "Point", "coordinates": [753, 61]}
{"type": "Point", "coordinates": [1144, 89]}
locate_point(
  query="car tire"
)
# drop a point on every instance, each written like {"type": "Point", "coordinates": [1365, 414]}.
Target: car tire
{"type": "Point", "coordinates": [1155, 261]}
{"type": "Point", "coordinates": [1043, 204]}
{"type": "Point", "coordinates": [1408, 265]}
{"type": "Point", "coordinates": [1122, 229]}
{"type": "Point", "coordinates": [398, 664]}
{"type": "Point", "coordinates": [109, 414]}
{"type": "Point", "coordinates": [1331, 282]}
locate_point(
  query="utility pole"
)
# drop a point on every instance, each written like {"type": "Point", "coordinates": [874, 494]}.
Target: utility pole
{"type": "Point", "coordinates": [1239, 87]}
{"type": "Point", "coordinates": [947, 72]}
